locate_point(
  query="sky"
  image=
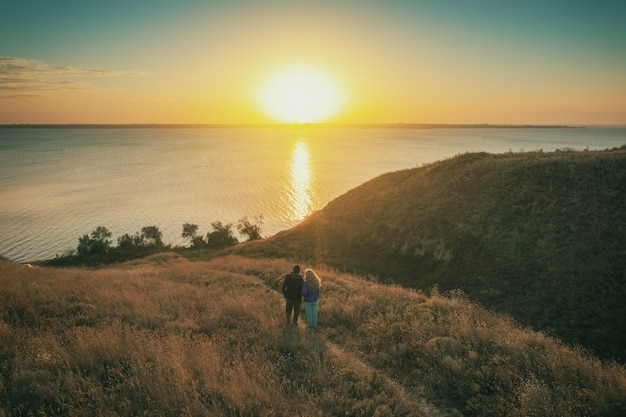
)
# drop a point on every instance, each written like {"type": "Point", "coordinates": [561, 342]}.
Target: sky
{"type": "Point", "coordinates": [390, 61]}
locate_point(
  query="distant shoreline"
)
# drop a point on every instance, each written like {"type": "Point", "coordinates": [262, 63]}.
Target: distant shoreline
{"type": "Point", "coordinates": [288, 126]}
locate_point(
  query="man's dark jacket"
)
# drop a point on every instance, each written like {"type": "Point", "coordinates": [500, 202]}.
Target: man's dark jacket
{"type": "Point", "coordinates": [292, 286]}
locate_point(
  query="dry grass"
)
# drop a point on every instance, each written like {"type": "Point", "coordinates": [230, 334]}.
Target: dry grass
{"type": "Point", "coordinates": [538, 236]}
{"type": "Point", "coordinates": [169, 337]}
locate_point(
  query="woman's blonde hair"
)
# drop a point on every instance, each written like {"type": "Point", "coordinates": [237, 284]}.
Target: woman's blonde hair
{"type": "Point", "coordinates": [313, 282]}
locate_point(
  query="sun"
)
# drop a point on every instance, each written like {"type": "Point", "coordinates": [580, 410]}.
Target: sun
{"type": "Point", "coordinates": [300, 95]}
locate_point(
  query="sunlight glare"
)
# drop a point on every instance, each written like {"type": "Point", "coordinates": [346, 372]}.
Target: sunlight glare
{"type": "Point", "coordinates": [301, 189]}
{"type": "Point", "coordinates": [301, 95]}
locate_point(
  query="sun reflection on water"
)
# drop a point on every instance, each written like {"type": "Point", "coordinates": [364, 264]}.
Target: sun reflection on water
{"type": "Point", "coordinates": [301, 194]}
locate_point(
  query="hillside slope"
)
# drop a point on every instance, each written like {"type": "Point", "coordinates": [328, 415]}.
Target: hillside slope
{"type": "Point", "coordinates": [540, 236]}
{"type": "Point", "coordinates": [168, 337]}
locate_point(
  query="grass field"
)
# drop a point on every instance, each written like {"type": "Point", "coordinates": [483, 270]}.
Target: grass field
{"type": "Point", "coordinates": [166, 336]}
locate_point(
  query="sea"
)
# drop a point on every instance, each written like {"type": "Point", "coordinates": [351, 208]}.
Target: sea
{"type": "Point", "coordinates": [60, 183]}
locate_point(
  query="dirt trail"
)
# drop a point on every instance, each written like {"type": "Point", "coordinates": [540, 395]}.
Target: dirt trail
{"type": "Point", "coordinates": [340, 355]}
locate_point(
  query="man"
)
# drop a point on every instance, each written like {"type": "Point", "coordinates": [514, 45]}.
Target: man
{"type": "Point", "coordinates": [292, 287]}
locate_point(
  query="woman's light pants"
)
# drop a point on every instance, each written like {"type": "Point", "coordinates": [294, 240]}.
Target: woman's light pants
{"type": "Point", "coordinates": [311, 314]}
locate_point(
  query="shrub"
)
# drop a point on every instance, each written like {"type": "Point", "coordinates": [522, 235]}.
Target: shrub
{"type": "Point", "coordinates": [99, 243]}
{"type": "Point", "coordinates": [249, 229]}
{"type": "Point", "coordinates": [221, 236]}
{"type": "Point", "coordinates": [152, 236]}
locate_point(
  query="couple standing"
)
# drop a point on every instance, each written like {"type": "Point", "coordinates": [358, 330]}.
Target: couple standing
{"type": "Point", "coordinates": [294, 288]}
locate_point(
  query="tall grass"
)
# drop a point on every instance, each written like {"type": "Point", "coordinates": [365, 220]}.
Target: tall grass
{"type": "Point", "coordinates": [457, 355]}
{"type": "Point", "coordinates": [169, 337]}
{"type": "Point", "coordinates": [144, 339]}
{"type": "Point", "coordinates": [538, 236]}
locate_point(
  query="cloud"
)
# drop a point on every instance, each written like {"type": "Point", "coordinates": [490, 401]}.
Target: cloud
{"type": "Point", "coordinates": [27, 78]}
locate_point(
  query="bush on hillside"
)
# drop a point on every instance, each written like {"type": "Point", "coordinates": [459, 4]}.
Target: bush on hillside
{"type": "Point", "coordinates": [96, 248]}
{"type": "Point", "coordinates": [152, 236]}
{"type": "Point", "coordinates": [222, 236]}
{"type": "Point", "coordinates": [190, 231]}
{"type": "Point", "coordinates": [249, 229]}
{"type": "Point", "coordinates": [98, 243]}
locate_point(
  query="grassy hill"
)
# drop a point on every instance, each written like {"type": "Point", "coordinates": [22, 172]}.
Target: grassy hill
{"type": "Point", "coordinates": [165, 336]}
{"type": "Point", "coordinates": [539, 236]}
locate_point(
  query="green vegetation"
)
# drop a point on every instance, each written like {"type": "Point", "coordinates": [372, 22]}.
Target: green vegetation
{"type": "Point", "coordinates": [97, 244]}
{"type": "Point", "coordinates": [95, 248]}
{"type": "Point", "coordinates": [250, 229]}
{"type": "Point", "coordinates": [539, 236]}
{"type": "Point", "coordinates": [165, 336]}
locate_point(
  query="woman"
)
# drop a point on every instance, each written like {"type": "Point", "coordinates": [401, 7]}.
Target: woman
{"type": "Point", "coordinates": [311, 294]}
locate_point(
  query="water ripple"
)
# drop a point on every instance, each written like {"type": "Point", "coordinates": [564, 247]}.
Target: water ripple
{"type": "Point", "coordinates": [59, 184]}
